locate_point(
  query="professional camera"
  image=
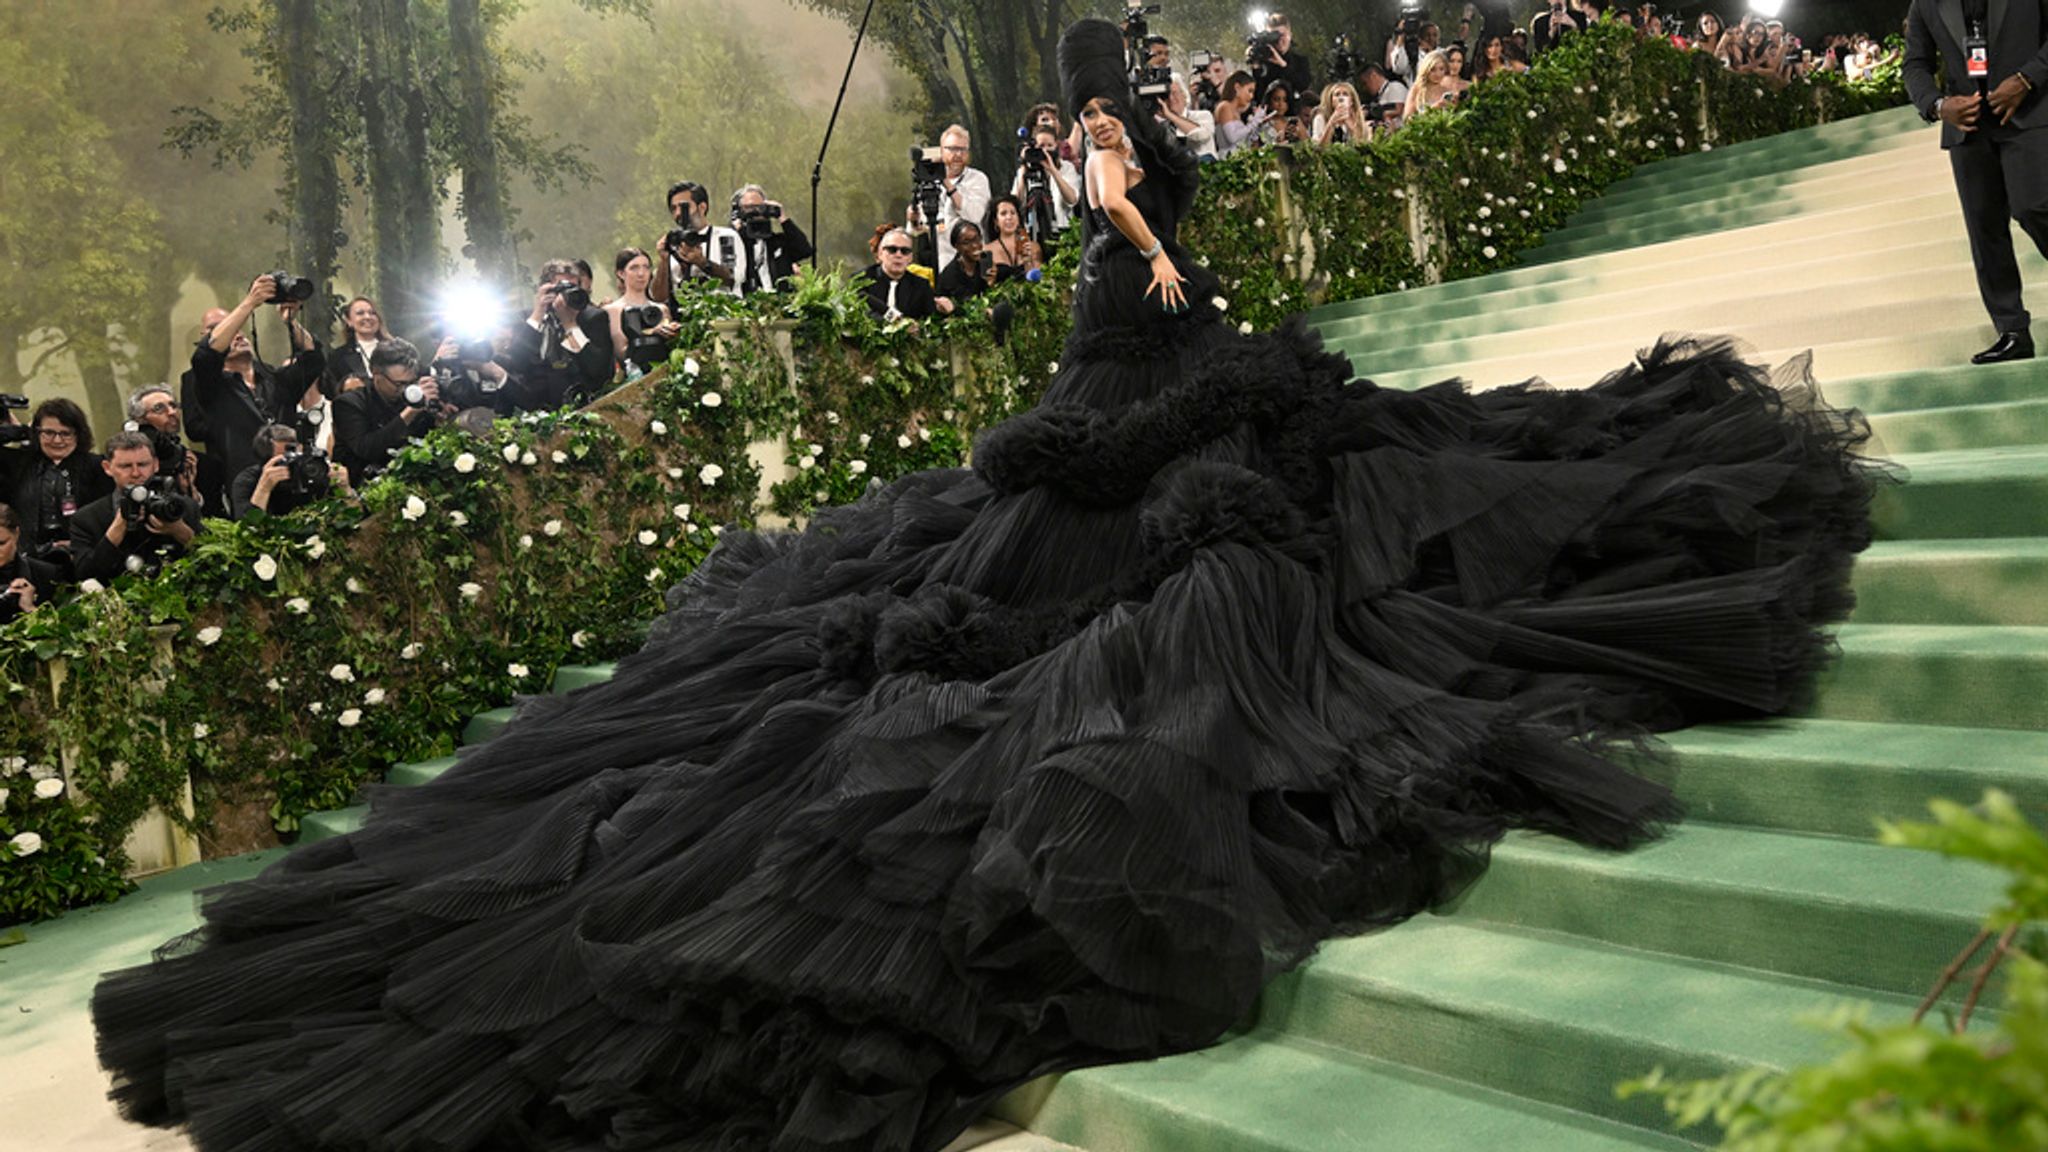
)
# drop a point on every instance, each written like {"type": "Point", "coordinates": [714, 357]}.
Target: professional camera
{"type": "Point", "coordinates": [1344, 60]}
{"type": "Point", "coordinates": [171, 453]}
{"type": "Point", "coordinates": [306, 472]}
{"type": "Point", "coordinates": [150, 498]}
{"type": "Point", "coordinates": [757, 221]}
{"type": "Point", "coordinates": [11, 432]}
{"type": "Point", "coordinates": [1148, 85]}
{"type": "Point", "coordinates": [1408, 26]}
{"type": "Point", "coordinates": [1038, 216]}
{"type": "Point", "coordinates": [650, 315]}
{"type": "Point", "coordinates": [927, 180]}
{"type": "Point", "coordinates": [570, 293]}
{"type": "Point", "coordinates": [290, 289]}
{"type": "Point", "coordinates": [1255, 46]}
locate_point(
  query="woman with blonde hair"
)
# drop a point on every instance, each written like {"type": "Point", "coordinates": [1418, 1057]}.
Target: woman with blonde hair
{"type": "Point", "coordinates": [1341, 119]}
{"type": "Point", "coordinates": [1432, 84]}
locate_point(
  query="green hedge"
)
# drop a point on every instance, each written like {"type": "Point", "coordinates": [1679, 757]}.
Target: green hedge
{"type": "Point", "coordinates": [288, 661]}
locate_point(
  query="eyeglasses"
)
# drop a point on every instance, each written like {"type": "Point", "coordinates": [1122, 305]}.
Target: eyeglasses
{"type": "Point", "coordinates": [56, 433]}
{"type": "Point", "coordinates": [956, 149]}
{"type": "Point", "coordinates": [896, 249]}
{"type": "Point", "coordinates": [161, 407]}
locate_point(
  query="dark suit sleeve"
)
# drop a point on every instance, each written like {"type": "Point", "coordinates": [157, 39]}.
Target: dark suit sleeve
{"type": "Point", "coordinates": [197, 426]}
{"type": "Point", "coordinates": [293, 379]}
{"type": "Point", "coordinates": [93, 556]}
{"type": "Point", "coordinates": [1921, 58]}
{"type": "Point", "coordinates": [207, 366]}
{"type": "Point", "coordinates": [362, 446]}
{"type": "Point", "coordinates": [796, 247]}
{"type": "Point", "coordinates": [2036, 68]}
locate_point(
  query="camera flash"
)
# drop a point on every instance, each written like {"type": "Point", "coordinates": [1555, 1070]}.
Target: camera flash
{"type": "Point", "coordinates": [1257, 19]}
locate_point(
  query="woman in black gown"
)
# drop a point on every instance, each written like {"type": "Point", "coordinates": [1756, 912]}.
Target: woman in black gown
{"type": "Point", "coordinates": [1045, 764]}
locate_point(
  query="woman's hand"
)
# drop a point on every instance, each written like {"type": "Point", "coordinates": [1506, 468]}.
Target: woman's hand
{"type": "Point", "coordinates": [1167, 281]}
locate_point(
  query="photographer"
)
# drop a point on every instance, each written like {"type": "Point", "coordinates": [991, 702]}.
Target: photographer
{"type": "Point", "coordinates": [289, 478]}
{"type": "Point", "coordinates": [563, 353]}
{"type": "Point", "coordinates": [1382, 96]}
{"type": "Point", "coordinates": [1196, 128]}
{"type": "Point", "coordinates": [695, 253]}
{"type": "Point", "coordinates": [24, 582]}
{"type": "Point", "coordinates": [372, 423]}
{"type": "Point", "coordinates": [964, 192]}
{"type": "Point", "coordinates": [1271, 57]}
{"type": "Point", "coordinates": [892, 292]}
{"type": "Point", "coordinates": [1414, 39]}
{"type": "Point", "coordinates": [154, 413]}
{"type": "Point", "coordinates": [351, 360]}
{"type": "Point", "coordinates": [50, 478]}
{"type": "Point", "coordinates": [772, 243]}
{"type": "Point", "coordinates": [137, 526]}
{"type": "Point", "coordinates": [1045, 184]}
{"type": "Point", "coordinates": [641, 329]}
{"type": "Point", "coordinates": [1209, 75]}
{"type": "Point", "coordinates": [240, 393]}
{"type": "Point", "coordinates": [1552, 25]}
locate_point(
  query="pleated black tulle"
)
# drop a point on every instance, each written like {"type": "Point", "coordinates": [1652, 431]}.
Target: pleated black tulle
{"type": "Point", "coordinates": [1041, 765]}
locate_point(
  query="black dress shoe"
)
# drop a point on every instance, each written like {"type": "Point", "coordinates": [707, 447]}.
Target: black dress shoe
{"type": "Point", "coordinates": [2010, 346]}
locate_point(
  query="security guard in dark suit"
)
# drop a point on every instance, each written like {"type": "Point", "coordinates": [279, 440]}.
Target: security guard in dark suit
{"type": "Point", "coordinates": [1997, 142]}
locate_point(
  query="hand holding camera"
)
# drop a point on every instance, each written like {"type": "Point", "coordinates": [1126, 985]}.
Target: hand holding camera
{"type": "Point", "coordinates": [23, 591]}
{"type": "Point", "coordinates": [421, 396]}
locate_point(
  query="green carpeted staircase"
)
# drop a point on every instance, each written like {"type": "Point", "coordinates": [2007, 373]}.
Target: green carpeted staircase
{"type": "Point", "coordinates": [1506, 1021]}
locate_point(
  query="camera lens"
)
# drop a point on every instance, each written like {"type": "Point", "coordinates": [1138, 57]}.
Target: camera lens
{"type": "Point", "coordinates": [415, 395]}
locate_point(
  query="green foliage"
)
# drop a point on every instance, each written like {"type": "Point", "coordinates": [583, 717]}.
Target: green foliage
{"type": "Point", "coordinates": [1908, 1088]}
{"type": "Point", "coordinates": [50, 858]}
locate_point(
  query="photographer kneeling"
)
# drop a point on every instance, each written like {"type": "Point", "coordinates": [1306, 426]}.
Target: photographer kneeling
{"type": "Point", "coordinates": [372, 423]}
{"type": "Point", "coordinates": [289, 477]}
{"type": "Point", "coordinates": [140, 524]}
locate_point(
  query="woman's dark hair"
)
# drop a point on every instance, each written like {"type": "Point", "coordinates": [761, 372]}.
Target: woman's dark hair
{"type": "Point", "coordinates": [68, 414]}
{"type": "Point", "coordinates": [351, 306]}
{"type": "Point", "coordinates": [10, 519]}
{"type": "Point", "coordinates": [961, 225]}
{"type": "Point", "coordinates": [1231, 84]}
{"type": "Point", "coordinates": [1283, 88]}
{"type": "Point", "coordinates": [627, 256]}
{"type": "Point", "coordinates": [988, 222]}
{"type": "Point", "coordinates": [1480, 65]}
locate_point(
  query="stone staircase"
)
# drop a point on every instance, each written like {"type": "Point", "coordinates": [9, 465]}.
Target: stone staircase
{"type": "Point", "coordinates": [1506, 1021]}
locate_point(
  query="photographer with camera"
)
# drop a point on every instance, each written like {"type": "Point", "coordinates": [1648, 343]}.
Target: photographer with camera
{"type": "Point", "coordinates": [372, 423]}
{"type": "Point", "coordinates": [893, 292]}
{"type": "Point", "coordinates": [1552, 25]}
{"type": "Point", "coordinates": [24, 582]}
{"type": "Point", "coordinates": [153, 412]}
{"type": "Point", "coordinates": [140, 524]}
{"type": "Point", "coordinates": [290, 476]}
{"type": "Point", "coordinates": [963, 193]}
{"type": "Point", "coordinates": [1194, 127]}
{"type": "Point", "coordinates": [563, 353]}
{"type": "Point", "coordinates": [1414, 37]}
{"type": "Point", "coordinates": [1270, 56]}
{"type": "Point", "coordinates": [48, 473]}
{"type": "Point", "coordinates": [238, 392]}
{"type": "Point", "coordinates": [641, 329]}
{"type": "Point", "coordinates": [1047, 186]}
{"type": "Point", "coordinates": [772, 243]}
{"type": "Point", "coordinates": [1382, 97]}
{"type": "Point", "coordinates": [1208, 71]}
{"type": "Point", "coordinates": [695, 253]}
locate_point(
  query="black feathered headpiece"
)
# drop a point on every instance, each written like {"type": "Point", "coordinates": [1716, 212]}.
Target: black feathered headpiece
{"type": "Point", "coordinates": [1092, 64]}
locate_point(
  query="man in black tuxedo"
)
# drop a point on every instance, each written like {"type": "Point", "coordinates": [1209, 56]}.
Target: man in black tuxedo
{"type": "Point", "coordinates": [893, 291]}
{"type": "Point", "coordinates": [1997, 144]}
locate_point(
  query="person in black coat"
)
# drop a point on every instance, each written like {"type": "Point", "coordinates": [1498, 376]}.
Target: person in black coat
{"type": "Point", "coordinates": [239, 394]}
{"type": "Point", "coordinates": [351, 359]}
{"type": "Point", "coordinates": [1997, 146]}
{"type": "Point", "coordinates": [969, 275]}
{"type": "Point", "coordinates": [372, 423]}
{"type": "Point", "coordinates": [106, 541]}
{"type": "Point", "coordinates": [563, 353]}
{"type": "Point", "coordinates": [891, 289]}
{"type": "Point", "coordinates": [774, 245]}
{"type": "Point", "coordinates": [50, 478]}
{"type": "Point", "coordinates": [24, 583]}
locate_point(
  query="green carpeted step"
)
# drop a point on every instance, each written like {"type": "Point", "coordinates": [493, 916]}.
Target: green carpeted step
{"type": "Point", "coordinates": [484, 725]}
{"type": "Point", "coordinates": [327, 825]}
{"type": "Point", "coordinates": [1997, 581]}
{"type": "Point", "coordinates": [1969, 676]}
{"type": "Point", "coordinates": [1955, 385]}
{"type": "Point", "coordinates": [1843, 911]}
{"type": "Point", "coordinates": [1551, 1018]}
{"type": "Point", "coordinates": [1268, 1094]}
{"type": "Point", "coordinates": [570, 677]}
{"type": "Point", "coordinates": [2005, 425]}
{"type": "Point", "coordinates": [1967, 493]}
{"type": "Point", "coordinates": [1672, 191]}
{"type": "Point", "coordinates": [1839, 777]}
{"type": "Point", "coordinates": [422, 772]}
{"type": "Point", "coordinates": [1724, 212]}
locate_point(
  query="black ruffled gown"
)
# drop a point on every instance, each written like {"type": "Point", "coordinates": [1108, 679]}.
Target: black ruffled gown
{"type": "Point", "coordinates": [1049, 763]}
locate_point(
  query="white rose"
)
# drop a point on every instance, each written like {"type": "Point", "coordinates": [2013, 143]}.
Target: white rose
{"type": "Point", "coordinates": [316, 708]}
{"type": "Point", "coordinates": [1245, 327]}
{"type": "Point", "coordinates": [273, 684]}
{"type": "Point", "coordinates": [525, 541]}
{"type": "Point", "coordinates": [465, 463]}
{"type": "Point", "coordinates": [12, 764]}
{"type": "Point", "coordinates": [52, 788]}
{"type": "Point", "coordinates": [1052, 368]}
{"type": "Point", "coordinates": [41, 772]}
{"type": "Point", "coordinates": [354, 586]}
{"type": "Point", "coordinates": [1464, 181]}
{"type": "Point", "coordinates": [517, 671]}
{"type": "Point", "coordinates": [529, 458]}
{"type": "Point", "coordinates": [691, 367]}
{"type": "Point", "coordinates": [511, 453]}
{"type": "Point", "coordinates": [341, 674]}
{"type": "Point", "coordinates": [682, 511]}
{"type": "Point", "coordinates": [1484, 211]}
{"type": "Point", "coordinates": [1259, 223]}
{"type": "Point", "coordinates": [903, 441]}
{"type": "Point", "coordinates": [316, 547]}
{"type": "Point", "coordinates": [924, 434]}
{"type": "Point", "coordinates": [803, 463]}
{"type": "Point", "coordinates": [1219, 303]}
{"type": "Point", "coordinates": [374, 696]}
{"type": "Point", "coordinates": [580, 639]}
{"type": "Point", "coordinates": [4, 793]}
{"type": "Point", "coordinates": [653, 575]}
{"type": "Point", "coordinates": [209, 635]}
{"type": "Point", "coordinates": [709, 474]}
{"type": "Point", "coordinates": [831, 417]}
{"type": "Point", "coordinates": [414, 508]}
{"type": "Point", "coordinates": [458, 519]}
{"type": "Point", "coordinates": [350, 717]}
{"type": "Point", "coordinates": [658, 428]}
{"type": "Point", "coordinates": [299, 605]}
{"type": "Point", "coordinates": [718, 529]}
{"type": "Point", "coordinates": [857, 467]}
{"type": "Point", "coordinates": [1489, 251]}
{"type": "Point", "coordinates": [675, 473]}
{"type": "Point", "coordinates": [559, 456]}
{"type": "Point", "coordinates": [409, 651]}
{"type": "Point", "coordinates": [1558, 165]}
{"type": "Point", "coordinates": [817, 449]}
{"type": "Point", "coordinates": [470, 589]}
{"type": "Point", "coordinates": [865, 439]}
{"type": "Point", "coordinates": [551, 528]}
{"type": "Point", "coordinates": [26, 843]}
{"type": "Point", "coordinates": [711, 400]}
{"type": "Point", "coordinates": [266, 567]}
{"type": "Point", "coordinates": [647, 536]}
{"type": "Point", "coordinates": [1532, 113]}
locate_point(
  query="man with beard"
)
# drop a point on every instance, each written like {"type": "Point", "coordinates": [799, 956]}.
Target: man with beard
{"type": "Point", "coordinates": [239, 394]}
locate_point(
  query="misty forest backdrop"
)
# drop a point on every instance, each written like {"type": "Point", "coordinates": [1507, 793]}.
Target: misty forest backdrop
{"type": "Point", "coordinates": [156, 155]}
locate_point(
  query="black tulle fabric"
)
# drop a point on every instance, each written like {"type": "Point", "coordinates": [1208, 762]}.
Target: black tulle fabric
{"type": "Point", "coordinates": [1045, 764]}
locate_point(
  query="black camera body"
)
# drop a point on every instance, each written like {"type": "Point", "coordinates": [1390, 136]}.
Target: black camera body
{"type": "Point", "coordinates": [757, 221]}
{"type": "Point", "coordinates": [571, 293]}
{"type": "Point", "coordinates": [152, 497]}
{"type": "Point", "coordinates": [306, 472]}
{"type": "Point", "coordinates": [1345, 62]}
{"type": "Point", "coordinates": [290, 289]}
{"type": "Point", "coordinates": [171, 453]}
{"type": "Point", "coordinates": [927, 182]}
{"type": "Point", "coordinates": [1255, 46]}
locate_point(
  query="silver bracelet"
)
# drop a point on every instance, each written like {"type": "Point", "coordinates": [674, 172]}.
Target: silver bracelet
{"type": "Point", "coordinates": [1157, 247]}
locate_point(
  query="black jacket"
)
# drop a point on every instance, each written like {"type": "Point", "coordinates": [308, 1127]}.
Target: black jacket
{"type": "Point", "coordinates": [44, 576]}
{"type": "Point", "coordinates": [234, 413]}
{"type": "Point", "coordinates": [20, 481]}
{"type": "Point", "coordinates": [955, 284]}
{"type": "Point", "coordinates": [95, 558]}
{"type": "Point", "coordinates": [342, 363]}
{"type": "Point", "coordinates": [1296, 72]}
{"type": "Point", "coordinates": [786, 249]}
{"type": "Point", "coordinates": [2017, 35]}
{"type": "Point", "coordinates": [367, 430]}
{"type": "Point", "coordinates": [543, 384]}
{"type": "Point", "coordinates": [914, 296]}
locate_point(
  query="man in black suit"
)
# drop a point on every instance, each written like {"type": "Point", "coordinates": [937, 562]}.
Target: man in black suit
{"type": "Point", "coordinates": [111, 536]}
{"type": "Point", "coordinates": [1997, 144]}
{"type": "Point", "coordinates": [893, 291]}
{"type": "Point", "coordinates": [239, 394]}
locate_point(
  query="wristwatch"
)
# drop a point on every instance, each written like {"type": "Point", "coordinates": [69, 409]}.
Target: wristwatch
{"type": "Point", "coordinates": [1933, 112]}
